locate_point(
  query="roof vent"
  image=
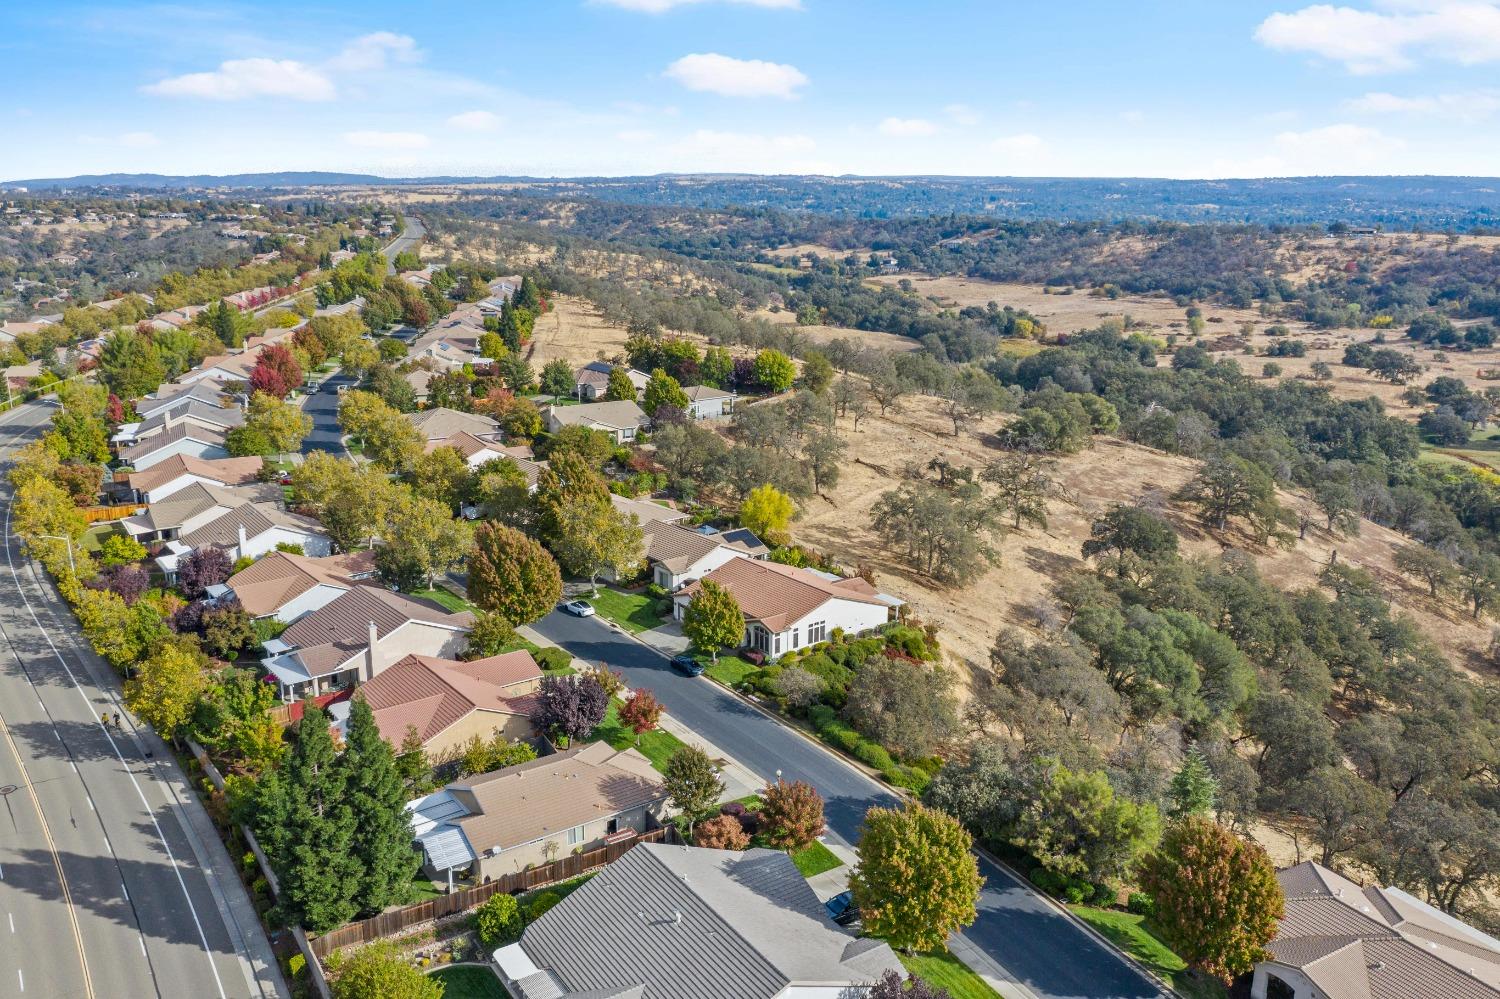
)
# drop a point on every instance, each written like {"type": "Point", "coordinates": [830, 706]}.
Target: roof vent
{"type": "Point", "coordinates": [1376, 966]}
{"type": "Point", "coordinates": [676, 917]}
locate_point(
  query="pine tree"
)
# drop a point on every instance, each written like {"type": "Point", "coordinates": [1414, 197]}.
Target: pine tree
{"type": "Point", "coordinates": [1193, 789]}
{"type": "Point", "coordinates": [314, 857]}
{"type": "Point", "coordinates": [382, 837]}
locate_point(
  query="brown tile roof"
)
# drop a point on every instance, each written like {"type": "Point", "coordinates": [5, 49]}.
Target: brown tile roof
{"type": "Point", "coordinates": [280, 577]}
{"type": "Point", "coordinates": [433, 694]}
{"type": "Point", "coordinates": [172, 435]}
{"type": "Point", "coordinates": [646, 511]}
{"type": "Point", "coordinates": [622, 415]}
{"type": "Point", "coordinates": [677, 547]}
{"type": "Point", "coordinates": [439, 423]}
{"type": "Point", "coordinates": [346, 619]}
{"type": "Point", "coordinates": [1355, 942]}
{"type": "Point", "coordinates": [776, 595]}
{"type": "Point", "coordinates": [256, 518]}
{"type": "Point", "coordinates": [551, 795]}
{"type": "Point", "coordinates": [226, 471]}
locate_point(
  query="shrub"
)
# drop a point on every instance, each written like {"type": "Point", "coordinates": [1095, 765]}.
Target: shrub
{"type": "Point", "coordinates": [537, 907]}
{"type": "Point", "coordinates": [749, 820]}
{"type": "Point", "coordinates": [1104, 896]}
{"type": "Point", "coordinates": [1045, 880]}
{"type": "Point", "coordinates": [295, 966]}
{"type": "Point", "coordinates": [1075, 893]}
{"type": "Point", "coordinates": [722, 832]}
{"type": "Point", "coordinates": [874, 755]}
{"type": "Point", "coordinates": [910, 778]}
{"type": "Point", "coordinates": [1141, 904]}
{"type": "Point", "coordinates": [498, 921]}
{"type": "Point", "coordinates": [553, 658]}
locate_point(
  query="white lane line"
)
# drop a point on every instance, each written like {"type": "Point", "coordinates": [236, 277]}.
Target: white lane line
{"type": "Point", "coordinates": [142, 942]}
{"type": "Point", "coordinates": [11, 916]}
{"type": "Point", "coordinates": [124, 889]}
{"type": "Point", "coordinates": [141, 794]}
{"type": "Point", "coordinates": [21, 978]}
{"type": "Point", "coordinates": [73, 765]}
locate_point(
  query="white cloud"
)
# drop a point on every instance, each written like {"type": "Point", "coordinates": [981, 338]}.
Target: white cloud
{"type": "Point", "coordinates": [1018, 144]}
{"type": "Point", "coordinates": [962, 114]}
{"type": "Point", "coordinates": [730, 77]}
{"type": "Point", "coordinates": [372, 52]}
{"type": "Point", "coordinates": [713, 150]}
{"type": "Point", "coordinates": [662, 6]}
{"type": "Point", "coordinates": [387, 140]}
{"type": "Point", "coordinates": [475, 121]}
{"type": "Point", "coordinates": [245, 79]}
{"type": "Point", "coordinates": [1375, 41]}
{"type": "Point", "coordinates": [1332, 149]}
{"type": "Point", "coordinates": [907, 127]}
{"type": "Point", "coordinates": [635, 136]}
{"type": "Point", "coordinates": [139, 140]}
{"type": "Point", "coordinates": [1467, 106]}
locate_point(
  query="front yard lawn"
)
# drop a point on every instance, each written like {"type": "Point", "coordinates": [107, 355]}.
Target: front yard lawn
{"type": "Point", "coordinates": [422, 889]}
{"type": "Point", "coordinates": [635, 612]}
{"type": "Point", "coordinates": [657, 746]}
{"type": "Point", "coordinates": [94, 537]}
{"type": "Point", "coordinates": [944, 971]}
{"type": "Point", "coordinates": [1132, 934]}
{"type": "Point", "coordinates": [729, 670]}
{"type": "Point", "coordinates": [815, 858]}
{"type": "Point", "coordinates": [447, 598]}
{"type": "Point", "coordinates": [470, 981]}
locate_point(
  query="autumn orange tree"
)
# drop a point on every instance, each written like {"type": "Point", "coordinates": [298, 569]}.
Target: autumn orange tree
{"type": "Point", "coordinates": [512, 575]}
{"type": "Point", "coordinates": [640, 712]}
{"type": "Point", "coordinates": [722, 832]}
{"type": "Point", "coordinates": [791, 815]}
{"type": "Point", "coordinates": [1217, 898]}
{"type": "Point", "coordinates": [916, 880]}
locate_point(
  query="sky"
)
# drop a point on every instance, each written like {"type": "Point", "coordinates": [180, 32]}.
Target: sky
{"type": "Point", "coordinates": [1148, 88]}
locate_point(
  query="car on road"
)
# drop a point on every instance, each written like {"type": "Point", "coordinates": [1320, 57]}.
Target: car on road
{"type": "Point", "coordinates": [578, 608]}
{"type": "Point", "coordinates": [841, 909]}
{"type": "Point", "coordinates": [687, 665]}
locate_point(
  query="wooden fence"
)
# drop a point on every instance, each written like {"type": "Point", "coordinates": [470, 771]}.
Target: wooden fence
{"type": "Point", "coordinates": [393, 922]}
{"type": "Point", "coordinates": [99, 514]}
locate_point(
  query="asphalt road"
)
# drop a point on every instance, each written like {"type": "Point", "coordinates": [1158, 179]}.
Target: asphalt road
{"type": "Point", "coordinates": [111, 880]}
{"type": "Point", "coordinates": [323, 407]}
{"type": "Point", "coordinates": [410, 237]}
{"type": "Point", "coordinates": [1036, 946]}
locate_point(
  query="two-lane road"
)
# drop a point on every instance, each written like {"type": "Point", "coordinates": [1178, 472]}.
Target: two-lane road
{"type": "Point", "coordinates": [1034, 945]}
{"type": "Point", "coordinates": [111, 880]}
{"type": "Point", "coordinates": [410, 236]}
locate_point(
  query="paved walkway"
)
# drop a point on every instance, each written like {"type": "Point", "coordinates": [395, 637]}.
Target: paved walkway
{"type": "Point", "coordinates": [667, 639]}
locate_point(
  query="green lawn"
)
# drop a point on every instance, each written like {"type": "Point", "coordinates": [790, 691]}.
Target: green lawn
{"type": "Point", "coordinates": [470, 981]}
{"type": "Point", "coordinates": [945, 971]}
{"type": "Point", "coordinates": [729, 670]}
{"type": "Point", "coordinates": [447, 598]}
{"type": "Point", "coordinates": [422, 889]}
{"type": "Point", "coordinates": [814, 859]}
{"type": "Point", "coordinates": [656, 746]}
{"type": "Point", "coordinates": [1132, 934]}
{"type": "Point", "coordinates": [94, 537]}
{"type": "Point", "coordinates": [634, 612]}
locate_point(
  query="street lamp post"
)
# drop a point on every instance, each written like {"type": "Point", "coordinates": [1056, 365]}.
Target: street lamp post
{"type": "Point", "coordinates": [58, 537]}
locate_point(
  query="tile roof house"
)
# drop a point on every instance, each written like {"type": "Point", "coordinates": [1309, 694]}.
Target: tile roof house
{"type": "Point", "coordinates": [477, 451]}
{"type": "Point", "coordinates": [680, 922]}
{"type": "Point", "coordinates": [249, 530]}
{"type": "Point", "coordinates": [191, 507]}
{"type": "Point", "coordinates": [621, 420]}
{"type": "Point", "coordinates": [166, 477]}
{"type": "Point", "coordinates": [1340, 940]}
{"type": "Point", "coordinates": [679, 555]}
{"type": "Point", "coordinates": [287, 586]}
{"type": "Point", "coordinates": [438, 424]}
{"type": "Point", "coordinates": [183, 439]}
{"type": "Point", "coordinates": [357, 635]}
{"type": "Point", "coordinates": [151, 405]}
{"type": "Point", "coordinates": [591, 381]}
{"type": "Point", "coordinates": [196, 414]}
{"type": "Point", "coordinates": [646, 512]}
{"type": "Point", "coordinates": [708, 403]}
{"type": "Point", "coordinates": [788, 608]}
{"type": "Point", "coordinates": [507, 820]}
{"type": "Point", "coordinates": [449, 702]}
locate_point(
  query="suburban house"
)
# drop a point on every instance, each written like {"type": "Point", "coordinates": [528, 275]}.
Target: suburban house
{"type": "Point", "coordinates": [645, 512]}
{"type": "Point", "coordinates": [679, 555]}
{"type": "Point", "coordinates": [420, 380]}
{"type": "Point", "coordinates": [199, 415]}
{"type": "Point", "coordinates": [708, 403]}
{"type": "Point", "coordinates": [151, 405]}
{"type": "Point", "coordinates": [591, 381]}
{"type": "Point", "coordinates": [475, 451]}
{"type": "Point", "coordinates": [533, 813]}
{"type": "Point", "coordinates": [183, 439]}
{"type": "Point", "coordinates": [247, 531]}
{"type": "Point", "coordinates": [680, 922]}
{"type": "Point", "coordinates": [438, 424]}
{"type": "Point", "coordinates": [788, 608]}
{"type": "Point", "coordinates": [1339, 940]}
{"type": "Point", "coordinates": [449, 702]}
{"type": "Point", "coordinates": [356, 636]}
{"type": "Point", "coordinates": [621, 420]}
{"type": "Point", "coordinates": [189, 508]}
{"type": "Point", "coordinates": [287, 587]}
{"type": "Point", "coordinates": [179, 471]}
{"type": "Point", "coordinates": [449, 352]}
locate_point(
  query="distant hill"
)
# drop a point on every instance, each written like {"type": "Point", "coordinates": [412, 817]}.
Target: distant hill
{"type": "Point", "coordinates": [1394, 202]}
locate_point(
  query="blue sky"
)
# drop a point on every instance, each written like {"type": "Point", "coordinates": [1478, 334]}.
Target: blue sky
{"type": "Point", "coordinates": [1210, 88]}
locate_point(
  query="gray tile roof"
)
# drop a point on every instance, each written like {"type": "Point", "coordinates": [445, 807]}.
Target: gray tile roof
{"type": "Point", "coordinates": [622, 415]}
{"type": "Point", "coordinates": [256, 518]}
{"type": "Point", "coordinates": [439, 423]}
{"type": "Point", "coordinates": [194, 411]}
{"type": "Point", "coordinates": [346, 619]}
{"type": "Point", "coordinates": [676, 922]}
{"type": "Point", "coordinates": [171, 436]}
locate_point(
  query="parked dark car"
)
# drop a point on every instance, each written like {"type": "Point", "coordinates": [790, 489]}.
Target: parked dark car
{"type": "Point", "coordinates": [687, 665]}
{"type": "Point", "coordinates": [841, 909]}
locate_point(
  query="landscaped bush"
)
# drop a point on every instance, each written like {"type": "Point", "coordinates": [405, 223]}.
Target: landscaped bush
{"type": "Point", "coordinates": [749, 820]}
{"type": "Point", "coordinates": [910, 778]}
{"type": "Point", "coordinates": [1141, 904]}
{"type": "Point", "coordinates": [553, 658]}
{"type": "Point", "coordinates": [1075, 893]}
{"type": "Point", "coordinates": [911, 641]}
{"type": "Point", "coordinates": [537, 907]}
{"type": "Point", "coordinates": [874, 755]}
{"type": "Point", "coordinates": [498, 921]}
{"type": "Point", "coordinates": [1104, 895]}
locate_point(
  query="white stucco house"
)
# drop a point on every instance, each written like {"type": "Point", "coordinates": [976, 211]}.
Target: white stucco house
{"type": "Point", "coordinates": [621, 420]}
{"type": "Point", "coordinates": [708, 403]}
{"type": "Point", "coordinates": [788, 608]}
{"type": "Point", "coordinates": [250, 531]}
{"type": "Point", "coordinates": [184, 439]}
{"type": "Point", "coordinates": [679, 555]}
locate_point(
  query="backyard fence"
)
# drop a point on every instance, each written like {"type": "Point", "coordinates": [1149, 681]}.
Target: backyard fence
{"type": "Point", "coordinates": [393, 922]}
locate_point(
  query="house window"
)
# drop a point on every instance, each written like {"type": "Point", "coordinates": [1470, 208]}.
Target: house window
{"type": "Point", "coordinates": [817, 632]}
{"type": "Point", "coordinates": [1277, 989]}
{"type": "Point", "coordinates": [795, 639]}
{"type": "Point", "coordinates": [575, 835]}
{"type": "Point", "coordinates": [612, 826]}
{"type": "Point", "coordinates": [776, 646]}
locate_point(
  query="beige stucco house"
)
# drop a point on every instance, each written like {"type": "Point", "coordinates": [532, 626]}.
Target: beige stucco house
{"type": "Point", "coordinates": [449, 702]}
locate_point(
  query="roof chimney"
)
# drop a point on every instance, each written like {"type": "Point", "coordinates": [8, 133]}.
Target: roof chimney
{"type": "Point", "coordinates": [374, 636]}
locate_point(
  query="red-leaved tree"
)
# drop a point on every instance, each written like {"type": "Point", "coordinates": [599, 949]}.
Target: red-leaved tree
{"type": "Point", "coordinates": [276, 372]}
{"type": "Point", "coordinates": [641, 711]}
